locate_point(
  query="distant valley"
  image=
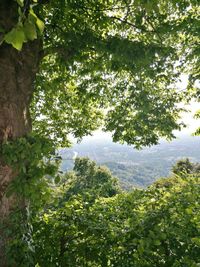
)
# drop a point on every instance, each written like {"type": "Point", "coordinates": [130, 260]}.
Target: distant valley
{"type": "Point", "coordinates": [134, 168]}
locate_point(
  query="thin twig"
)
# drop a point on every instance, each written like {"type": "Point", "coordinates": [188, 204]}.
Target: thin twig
{"type": "Point", "coordinates": [130, 24]}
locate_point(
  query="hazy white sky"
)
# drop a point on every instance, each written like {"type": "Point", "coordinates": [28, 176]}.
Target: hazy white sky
{"type": "Point", "coordinates": [188, 117]}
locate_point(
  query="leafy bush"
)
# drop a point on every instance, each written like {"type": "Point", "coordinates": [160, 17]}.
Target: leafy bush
{"type": "Point", "coordinates": [159, 226]}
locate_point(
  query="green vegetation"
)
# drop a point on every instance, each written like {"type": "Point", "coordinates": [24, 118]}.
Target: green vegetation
{"type": "Point", "coordinates": [125, 57]}
{"type": "Point", "coordinates": [70, 67]}
{"type": "Point", "coordinates": [159, 226]}
{"type": "Point", "coordinates": [185, 167]}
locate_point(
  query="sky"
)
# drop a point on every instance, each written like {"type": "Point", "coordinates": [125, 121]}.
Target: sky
{"type": "Point", "coordinates": [188, 119]}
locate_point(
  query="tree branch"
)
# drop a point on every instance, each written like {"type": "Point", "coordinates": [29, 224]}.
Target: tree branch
{"type": "Point", "coordinates": [152, 26]}
{"type": "Point", "coordinates": [130, 24]}
{"type": "Point", "coordinates": [105, 9]}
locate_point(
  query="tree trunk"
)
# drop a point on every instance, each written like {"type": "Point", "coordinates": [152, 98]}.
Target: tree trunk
{"type": "Point", "coordinates": [17, 75]}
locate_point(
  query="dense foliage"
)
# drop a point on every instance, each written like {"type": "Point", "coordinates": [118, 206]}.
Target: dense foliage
{"type": "Point", "coordinates": [185, 166]}
{"type": "Point", "coordinates": [158, 226]}
{"type": "Point", "coordinates": [124, 57]}
{"type": "Point", "coordinates": [89, 222]}
{"type": "Point", "coordinates": [113, 64]}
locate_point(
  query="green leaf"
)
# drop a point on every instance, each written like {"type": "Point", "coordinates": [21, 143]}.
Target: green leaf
{"type": "Point", "coordinates": [57, 179]}
{"type": "Point", "coordinates": [32, 16]}
{"type": "Point", "coordinates": [40, 25]}
{"type": "Point", "coordinates": [196, 240]}
{"type": "Point", "coordinates": [157, 242]}
{"type": "Point", "coordinates": [15, 37]}
{"type": "Point", "coordinates": [20, 2]}
{"type": "Point", "coordinates": [30, 31]}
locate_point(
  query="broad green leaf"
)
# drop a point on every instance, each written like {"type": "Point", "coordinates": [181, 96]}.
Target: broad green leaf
{"type": "Point", "coordinates": [157, 242]}
{"type": "Point", "coordinates": [32, 16]}
{"type": "Point", "coordinates": [20, 2]}
{"type": "Point", "coordinates": [40, 25]}
{"type": "Point", "coordinates": [189, 211]}
{"type": "Point", "coordinates": [30, 31]}
{"type": "Point", "coordinates": [16, 37]}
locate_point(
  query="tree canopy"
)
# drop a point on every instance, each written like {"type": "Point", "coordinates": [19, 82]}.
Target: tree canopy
{"type": "Point", "coordinates": [89, 179]}
{"type": "Point", "coordinates": [157, 226]}
{"type": "Point", "coordinates": [110, 63]}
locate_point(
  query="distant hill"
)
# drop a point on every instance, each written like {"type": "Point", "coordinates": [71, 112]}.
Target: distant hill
{"type": "Point", "coordinates": [133, 167]}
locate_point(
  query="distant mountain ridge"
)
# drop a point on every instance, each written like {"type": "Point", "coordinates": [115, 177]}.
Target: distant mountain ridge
{"type": "Point", "coordinates": [134, 168]}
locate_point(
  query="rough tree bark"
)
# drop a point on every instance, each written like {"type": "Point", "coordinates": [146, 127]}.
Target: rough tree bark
{"type": "Point", "coordinates": [17, 75]}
